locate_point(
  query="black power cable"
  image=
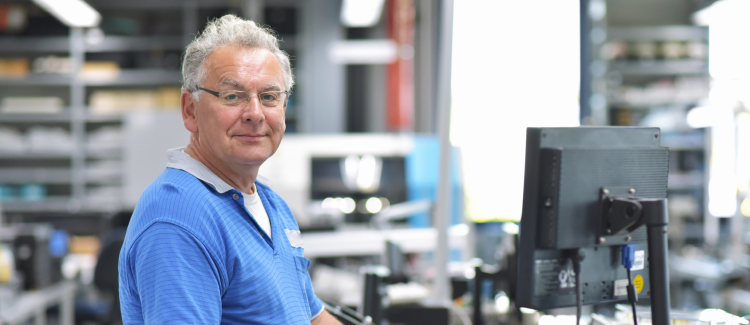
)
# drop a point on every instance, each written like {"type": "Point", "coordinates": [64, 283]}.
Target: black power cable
{"type": "Point", "coordinates": [579, 293]}
{"type": "Point", "coordinates": [577, 257]}
{"type": "Point", "coordinates": [632, 297]}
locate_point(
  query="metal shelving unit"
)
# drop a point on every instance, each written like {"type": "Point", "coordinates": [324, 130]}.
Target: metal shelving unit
{"type": "Point", "coordinates": [69, 168]}
{"type": "Point", "coordinates": [38, 79]}
{"type": "Point", "coordinates": [56, 118]}
{"type": "Point", "coordinates": [661, 67]}
{"type": "Point", "coordinates": [60, 205]}
{"type": "Point", "coordinates": [76, 117]}
{"type": "Point", "coordinates": [36, 175]}
{"type": "Point", "coordinates": [653, 69]}
{"type": "Point", "coordinates": [685, 183]}
{"type": "Point", "coordinates": [657, 33]}
{"type": "Point", "coordinates": [35, 155]}
{"type": "Point", "coordinates": [140, 77]}
{"type": "Point", "coordinates": [61, 44]}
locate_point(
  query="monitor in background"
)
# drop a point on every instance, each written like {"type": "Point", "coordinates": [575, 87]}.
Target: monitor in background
{"type": "Point", "coordinates": [334, 177]}
{"type": "Point", "coordinates": [590, 195]}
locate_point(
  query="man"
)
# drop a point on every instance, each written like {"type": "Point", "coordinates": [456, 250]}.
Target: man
{"type": "Point", "coordinates": [207, 243]}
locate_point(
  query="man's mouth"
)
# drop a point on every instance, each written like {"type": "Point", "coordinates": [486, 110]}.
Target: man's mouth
{"type": "Point", "coordinates": [251, 136]}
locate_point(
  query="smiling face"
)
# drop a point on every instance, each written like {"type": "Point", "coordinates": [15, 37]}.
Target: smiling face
{"type": "Point", "coordinates": [236, 138]}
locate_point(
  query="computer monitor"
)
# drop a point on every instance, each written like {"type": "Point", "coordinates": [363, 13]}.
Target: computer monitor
{"type": "Point", "coordinates": [591, 190]}
{"type": "Point", "coordinates": [328, 180]}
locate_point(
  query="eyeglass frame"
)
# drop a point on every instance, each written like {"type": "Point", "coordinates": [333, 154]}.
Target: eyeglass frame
{"type": "Point", "coordinates": [216, 93]}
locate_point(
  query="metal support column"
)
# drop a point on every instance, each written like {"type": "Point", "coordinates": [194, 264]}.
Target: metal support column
{"type": "Point", "coordinates": [442, 215]}
{"type": "Point", "coordinates": [584, 91]}
{"type": "Point", "coordinates": [656, 218]}
{"type": "Point", "coordinates": [594, 67]}
{"type": "Point", "coordinates": [77, 120]}
{"type": "Point", "coordinates": [189, 21]}
{"type": "Point", "coordinates": [320, 96]}
{"type": "Point", "coordinates": [424, 117]}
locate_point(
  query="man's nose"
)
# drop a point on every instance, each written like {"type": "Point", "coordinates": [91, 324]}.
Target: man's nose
{"type": "Point", "coordinates": [253, 110]}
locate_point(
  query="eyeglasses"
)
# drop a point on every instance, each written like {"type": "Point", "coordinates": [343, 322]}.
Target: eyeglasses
{"type": "Point", "coordinates": [237, 98]}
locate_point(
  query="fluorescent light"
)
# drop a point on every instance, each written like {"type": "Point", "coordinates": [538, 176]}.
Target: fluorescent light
{"type": "Point", "coordinates": [718, 316]}
{"type": "Point", "coordinates": [459, 230]}
{"type": "Point", "coordinates": [511, 228]}
{"type": "Point", "coordinates": [729, 48]}
{"type": "Point", "coordinates": [722, 184]}
{"type": "Point", "coordinates": [329, 203]}
{"type": "Point", "coordinates": [349, 170]}
{"type": "Point", "coordinates": [730, 69]}
{"type": "Point", "coordinates": [363, 52]}
{"type": "Point", "coordinates": [361, 13]}
{"type": "Point", "coordinates": [73, 13]}
{"type": "Point", "coordinates": [373, 205]}
{"type": "Point", "coordinates": [347, 205]}
{"type": "Point", "coordinates": [527, 310]}
{"type": "Point", "coordinates": [700, 117]}
{"type": "Point", "coordinates": [469, 273]}
{"type": "Point", "coordinates": [502, 303]}
{"type": "Point", "coordinates": [368, 175]}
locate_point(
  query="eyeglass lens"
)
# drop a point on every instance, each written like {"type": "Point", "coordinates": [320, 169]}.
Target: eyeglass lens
{"type": "Point", "coordinates": [235, 98]}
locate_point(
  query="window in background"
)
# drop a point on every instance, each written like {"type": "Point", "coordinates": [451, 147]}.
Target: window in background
{"type": "Point", "coordinates": [515, 65]}
{"type": "Point", "coordinates": [728, 104]}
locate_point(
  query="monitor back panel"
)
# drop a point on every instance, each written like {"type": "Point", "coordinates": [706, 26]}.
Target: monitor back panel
{"type": "Point", "coordinates": [566, 170]}
{"type": "Point", "coordinates": [571, 182]}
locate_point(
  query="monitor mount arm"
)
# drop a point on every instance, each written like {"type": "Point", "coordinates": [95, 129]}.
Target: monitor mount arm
{"type": "Point", "coordinates": [627, 214]}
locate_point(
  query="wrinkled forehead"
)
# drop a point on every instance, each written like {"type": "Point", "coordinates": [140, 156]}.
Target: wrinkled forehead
{"type": "Point", "coordinates": [228, 82]}
{"type": "Point", "coordinates": [236, 66]}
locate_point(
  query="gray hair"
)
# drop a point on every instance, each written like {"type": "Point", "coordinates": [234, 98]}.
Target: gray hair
{"type": "Point", "coordinates": [229, 30]}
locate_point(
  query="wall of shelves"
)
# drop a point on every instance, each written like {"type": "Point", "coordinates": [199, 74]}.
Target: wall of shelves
{"type": "Point", "coordinates": [146, 40]}
{"type": "Point", "coordinates": [88, 178]}
{"type": "Point", "coordinates": [140, 77]}
{"type": "Point", "coordinates": [652, 74]}
{"type": "Point", "coordinates": [661, 68]}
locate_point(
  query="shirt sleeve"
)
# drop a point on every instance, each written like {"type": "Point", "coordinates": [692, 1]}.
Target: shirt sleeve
{"type": "Point", "coordinates": [176, 280]}
{"type": "Point", "coordinates": [316, 306]}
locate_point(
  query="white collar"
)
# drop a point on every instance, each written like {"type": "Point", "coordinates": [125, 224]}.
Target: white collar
{"type": "Point", "coordinates": [178, 159]}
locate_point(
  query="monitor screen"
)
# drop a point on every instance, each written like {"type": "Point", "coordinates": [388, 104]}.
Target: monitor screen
{"type": "Point", "coordinates": [568, 173]}
{"type": "Point", "coordinates": [359, 178]}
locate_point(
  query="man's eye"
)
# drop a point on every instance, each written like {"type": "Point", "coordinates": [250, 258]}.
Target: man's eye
{"type": "Point", "coordinates": [268, 97]}
{"type": "Point", "coordinates": [232, 97]}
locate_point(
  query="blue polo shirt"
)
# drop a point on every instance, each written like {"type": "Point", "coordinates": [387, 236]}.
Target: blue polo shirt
{"type": "Point", "coordinates": [193, 254]}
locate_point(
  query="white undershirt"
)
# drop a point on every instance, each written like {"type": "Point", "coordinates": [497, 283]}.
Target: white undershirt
{"type": "Point", "coordinates": [255, 206]}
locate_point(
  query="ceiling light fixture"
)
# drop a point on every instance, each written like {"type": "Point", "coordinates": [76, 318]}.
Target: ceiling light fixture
{"type": "Point", "coordinates": [361, 13]}
{"type": "Point", "coordinates": [72, 13]}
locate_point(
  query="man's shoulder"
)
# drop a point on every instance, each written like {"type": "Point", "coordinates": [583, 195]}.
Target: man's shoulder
{"type": "Point", "coordinates": [174, 186]}
{"type": "Point", "coordinates": [178, 198]}
{"type": "Point", "coordinates": [172, 179]}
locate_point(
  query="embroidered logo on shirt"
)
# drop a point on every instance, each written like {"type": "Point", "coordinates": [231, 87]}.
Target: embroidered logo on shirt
{"type": "Point", "coordinates": [295, 239]}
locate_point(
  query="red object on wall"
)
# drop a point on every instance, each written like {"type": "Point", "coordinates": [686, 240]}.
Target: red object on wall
{"type": "Point", "coordinates": [4, 10]}
{"type": "Point", "coordinates": [400, 78]}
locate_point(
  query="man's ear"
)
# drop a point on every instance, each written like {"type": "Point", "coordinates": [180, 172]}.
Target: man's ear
{"type": "Point", "coordinates": [188, 111]}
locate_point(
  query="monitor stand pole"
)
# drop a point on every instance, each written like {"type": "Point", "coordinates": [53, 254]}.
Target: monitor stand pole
{"type": "Point", "coordinates": [655, 218]}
